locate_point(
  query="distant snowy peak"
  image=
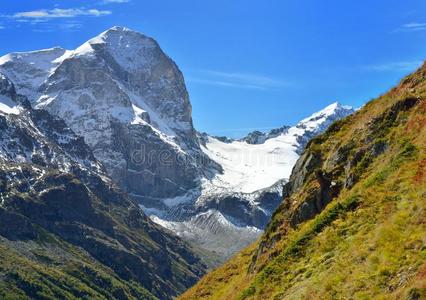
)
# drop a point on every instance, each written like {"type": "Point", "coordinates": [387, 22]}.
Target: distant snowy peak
{"type": "Point", "coordinates": [258, 137]}
{"type": "Point", "coordinates": [318, 123]}
{"type": "Point", "coordinates": [332, 112]}
{"type": "Point", "coordinates": [309, 126]}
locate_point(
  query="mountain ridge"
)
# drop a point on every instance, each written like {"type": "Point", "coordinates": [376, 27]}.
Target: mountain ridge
{"type": "Point", "coordinates": [259, 137]}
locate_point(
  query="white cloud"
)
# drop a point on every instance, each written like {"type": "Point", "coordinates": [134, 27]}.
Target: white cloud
{"type": "Point", "coordinates": [60, 13]}
{"type": "Point", "coordinates": [403, 66]}
{"type": "Point", "coordinates": [67, 26]}
{"type": "Point", "coordinates": [70, 26]}
{"type": "Point", "coordinates": [413, 26]}
{"type": "Point", "coordinates": [2, 27]}
{"type": "Point", "coordinates": [224, 83]}
{"type": "Point", "coordinates": [237, 80]}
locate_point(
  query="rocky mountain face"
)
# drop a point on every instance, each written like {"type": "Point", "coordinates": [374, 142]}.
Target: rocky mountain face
{"type": "Point", "coordinates": [66, 230]}
{"type": "Point", "coordinates": [128, 101]}
{"type": "Point", "coordinates": [352, 220]}
{"type": "Point", "coordinates": [34, 136]}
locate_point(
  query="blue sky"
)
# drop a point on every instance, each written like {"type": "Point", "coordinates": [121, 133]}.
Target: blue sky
{"type": "Point", "coordinates": [248, 64]}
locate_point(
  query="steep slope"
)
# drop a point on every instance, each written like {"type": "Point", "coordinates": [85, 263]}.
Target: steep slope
{"type": "Point", "coordinates": [66, 230]}
{"type": "Point", "coordinates": [353, 220]}
{"type": "Point", "coordinates": [230, 210]}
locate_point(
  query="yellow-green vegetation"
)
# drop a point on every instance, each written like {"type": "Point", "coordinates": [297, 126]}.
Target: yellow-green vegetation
{"type": "Point", "coordinates": [367, 239]}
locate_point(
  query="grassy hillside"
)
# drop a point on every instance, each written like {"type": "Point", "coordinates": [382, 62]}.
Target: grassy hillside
{"type": "Point", "coordinates": [62, 238]}
{"type": "Point", "coordinates": [353, 221]}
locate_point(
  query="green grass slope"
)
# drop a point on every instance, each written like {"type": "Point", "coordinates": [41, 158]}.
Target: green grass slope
{"type": "Point", "coordinates": [353, 221]}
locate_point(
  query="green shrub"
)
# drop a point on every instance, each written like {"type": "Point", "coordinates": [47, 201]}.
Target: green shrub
{"type": "Point", "coordinates": [247, 293]}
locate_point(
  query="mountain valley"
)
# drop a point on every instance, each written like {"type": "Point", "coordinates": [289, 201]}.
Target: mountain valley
{"type": "Point", "coordinates": [108, 190]}
{"type": "Point", "coordinates": [128, 100]}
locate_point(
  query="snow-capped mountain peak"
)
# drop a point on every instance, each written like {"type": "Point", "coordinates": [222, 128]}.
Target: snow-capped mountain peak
{"type": "Point", "coordinates": [308, 126]}
{"type": "Point", "coordinates": [332, 110]}
{"type": "Point", "coordinates": [127, 98]}
{"type": "Point", "coordinates": [317, 123]}
{"type": "Point", "coordinates": [130, 49]}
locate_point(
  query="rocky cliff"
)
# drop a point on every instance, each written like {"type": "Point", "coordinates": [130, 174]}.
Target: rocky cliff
{"type": "Point", "coordinates": [128, 100]}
